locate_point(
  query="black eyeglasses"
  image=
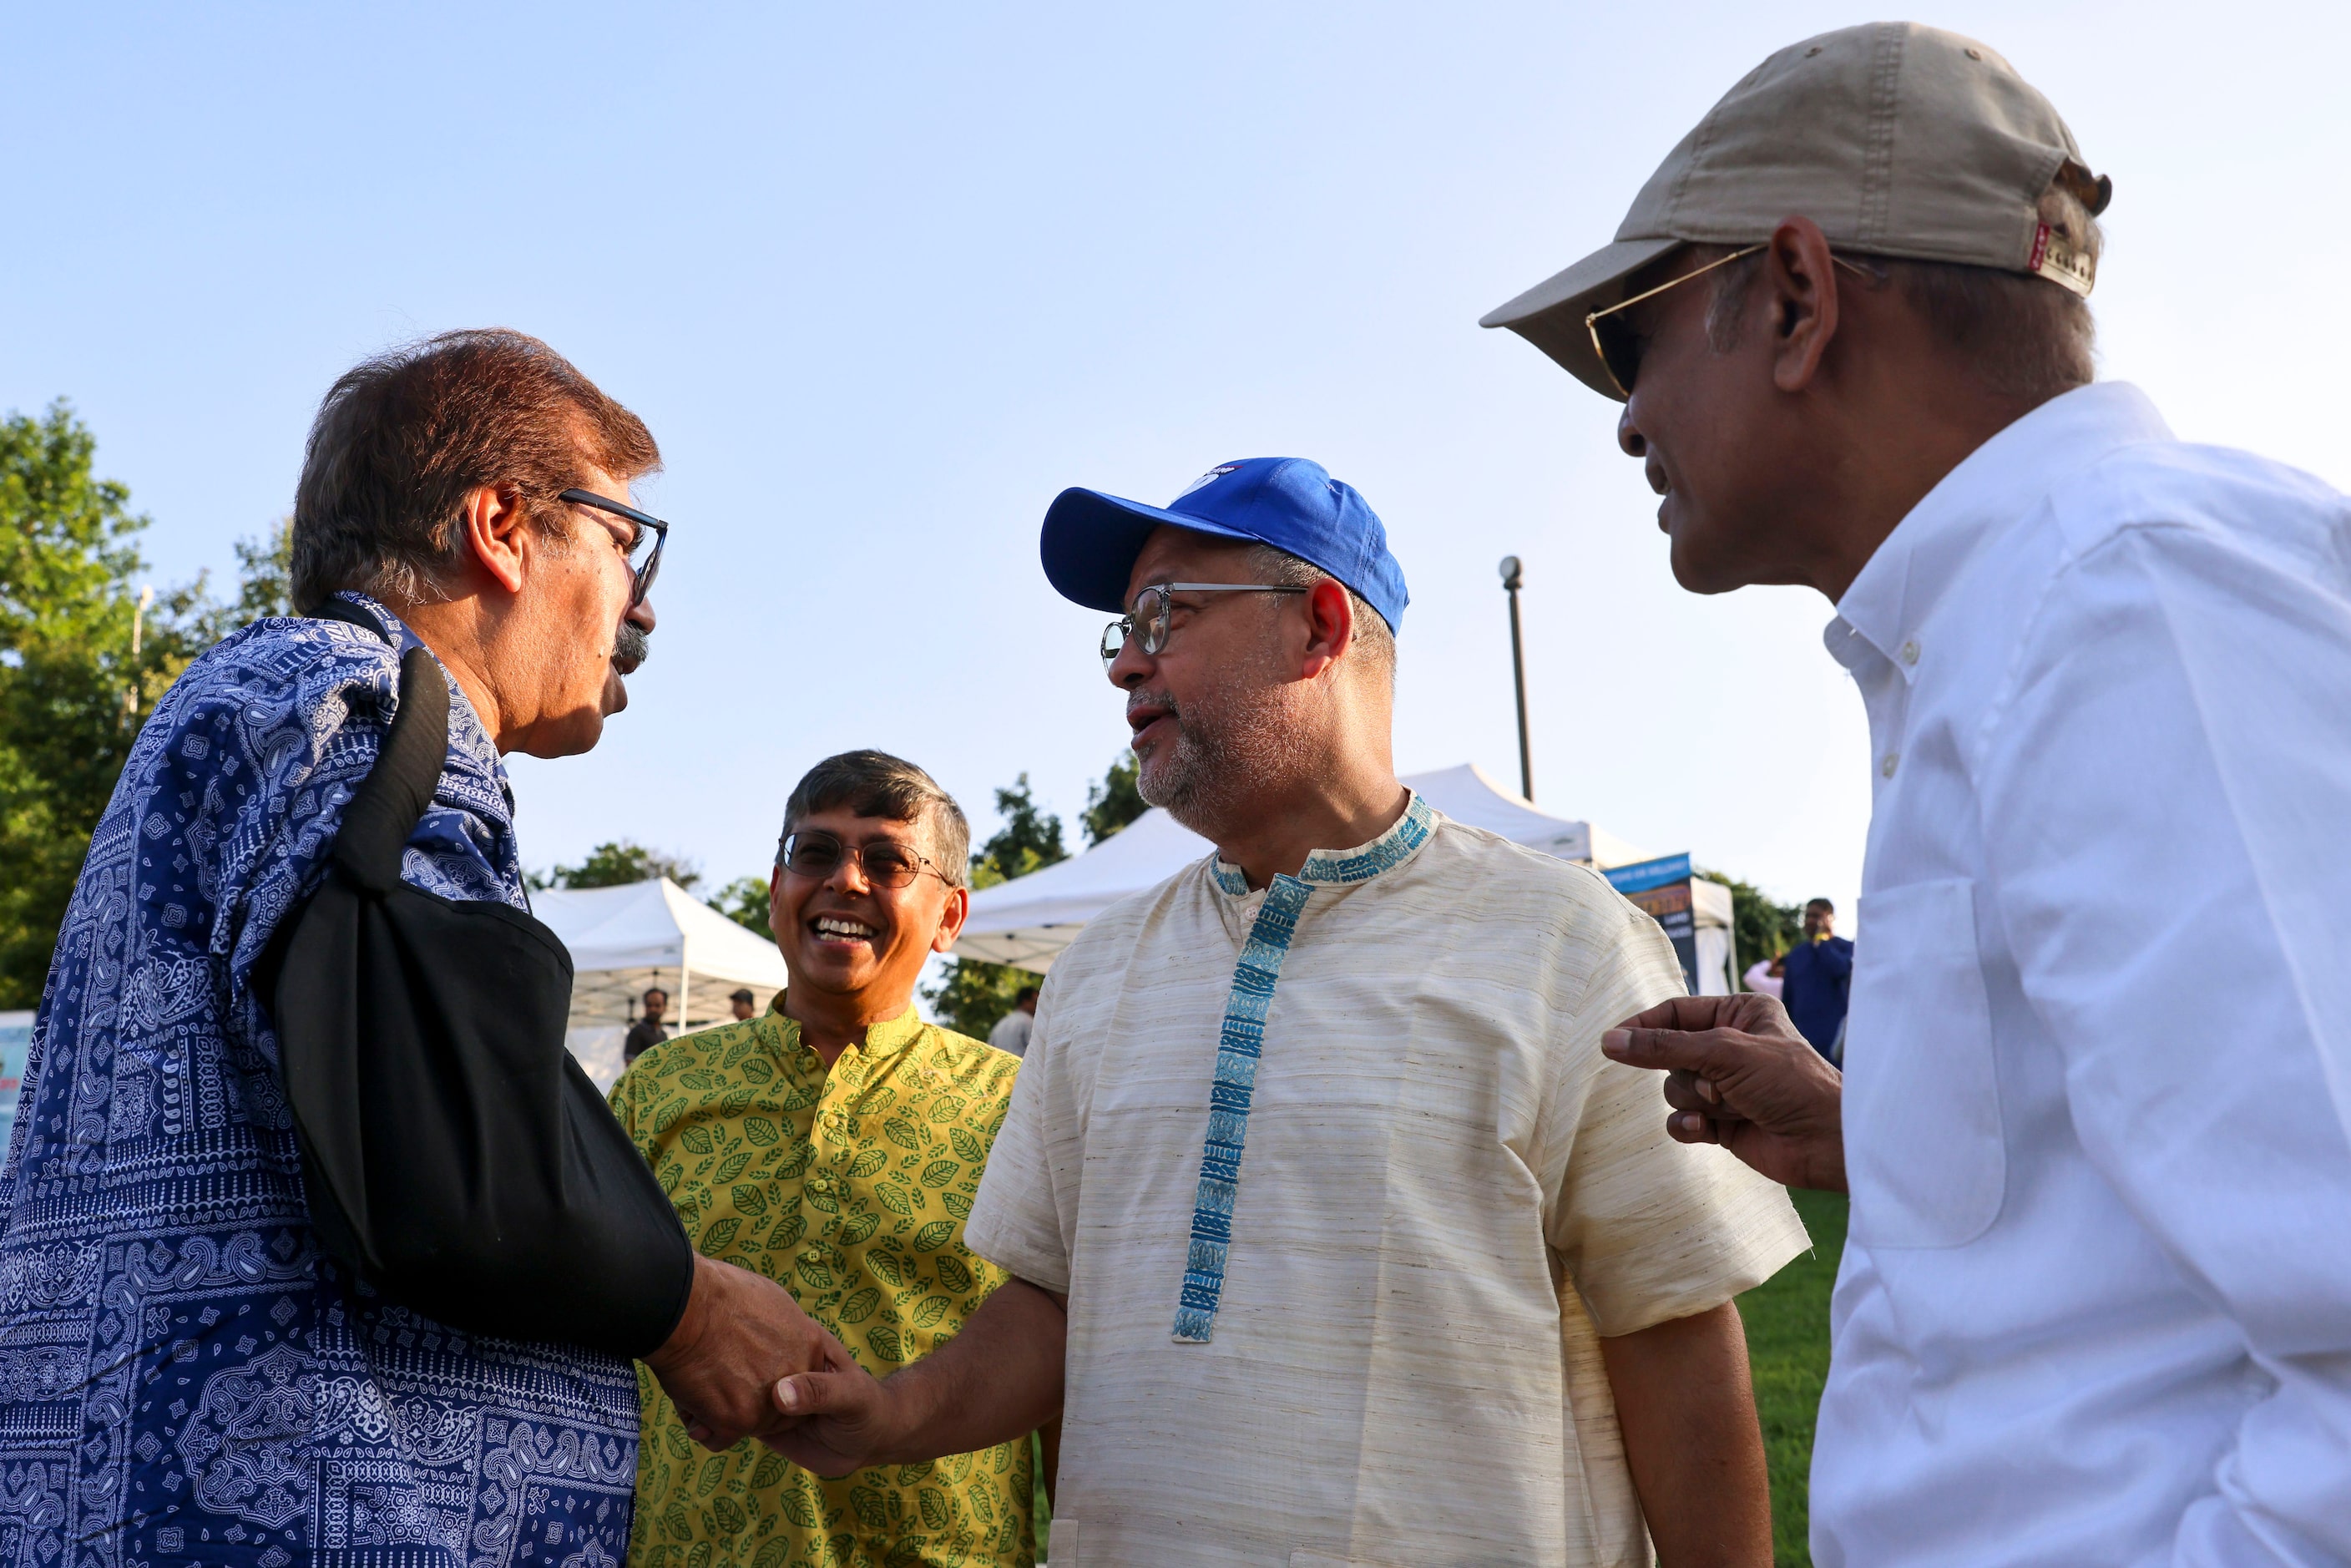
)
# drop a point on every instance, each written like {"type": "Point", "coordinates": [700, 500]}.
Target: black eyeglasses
{"type": "Point", "coordinates": [642, 574]}
{"type": "Point", "coordinates": [884, 862]}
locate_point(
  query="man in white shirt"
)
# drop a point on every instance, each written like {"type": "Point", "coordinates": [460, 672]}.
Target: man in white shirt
{"type": "Point", "coordinates": [1352, 1246]}
{"type": "Point", "coordinates": [2095, 1307]}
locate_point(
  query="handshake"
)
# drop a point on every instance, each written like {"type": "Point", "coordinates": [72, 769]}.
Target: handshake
{"type": "Point", "coordinates": [740, 1333]}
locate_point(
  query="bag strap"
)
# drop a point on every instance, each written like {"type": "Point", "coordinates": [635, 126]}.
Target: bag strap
{"type": "Point", "coordinates": [398, 789]}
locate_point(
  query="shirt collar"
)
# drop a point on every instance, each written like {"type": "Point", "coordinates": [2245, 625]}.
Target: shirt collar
{"type": "Point", "coordinates": [395, 631]}
{"type": "Point", "coordinates": [1899, 586]}
{"type": "Point", "coordinates": [1333, 868]}
{"type": "Point", "coordinates": [884, 1039]}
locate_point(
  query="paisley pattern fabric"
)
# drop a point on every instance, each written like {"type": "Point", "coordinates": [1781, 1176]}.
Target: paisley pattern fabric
{"type": "Point", "coordinates": [185, 1378]}
{"type": "Point", "coordinates": [850, 1188]}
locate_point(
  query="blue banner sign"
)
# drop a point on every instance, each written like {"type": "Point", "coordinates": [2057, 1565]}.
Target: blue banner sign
{"type": "Point", "coordinates": [1643, 875]}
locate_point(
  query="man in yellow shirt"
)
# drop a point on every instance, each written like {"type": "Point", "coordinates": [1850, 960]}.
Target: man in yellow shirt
{"type": "Point", "coordinates": [834, 1144]}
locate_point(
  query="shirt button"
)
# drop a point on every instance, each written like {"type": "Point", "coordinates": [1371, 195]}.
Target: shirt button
{"type": "Point", "coordinates": [1909, 653]}
{"type": "Point", "coordinates": [1885, 766]}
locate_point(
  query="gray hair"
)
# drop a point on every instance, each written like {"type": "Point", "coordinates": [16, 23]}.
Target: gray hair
{"type": "Point", "coordinates": [876, 784]}
{"type": "Point", "coordinates": [2029, 339]}
{"type": "Point", "coordinates": [1271, 564]}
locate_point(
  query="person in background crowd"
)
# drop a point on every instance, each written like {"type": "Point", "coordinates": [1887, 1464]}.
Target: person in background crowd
{"type": "Point", "coordinates": [1766, 976]}
{"type": "Point", "coordinates": [1816, 978]}
{"type": "Point", "coordinates": [1011, 1031]}
{"type": "Point", "coordinates": [742, 1003]}
{"type": "Point", "coordinates": [1353, 1247]}
{"type": "Point", "coordinates": [2092, 1307]}
{"type": "Point", "coordinates": [649, 1031]}
{"type": "Point", "coordinates": [836, 1143]}
{"type": "Point", "coordinates": [190, 1377]}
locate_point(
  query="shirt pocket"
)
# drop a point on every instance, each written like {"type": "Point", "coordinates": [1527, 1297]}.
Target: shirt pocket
{"type": "Point", "coordinates": [1924, 1149]}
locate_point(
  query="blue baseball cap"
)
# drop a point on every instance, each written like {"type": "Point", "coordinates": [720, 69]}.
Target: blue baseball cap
{"type": "Point", "coordinates": [1091, 539]}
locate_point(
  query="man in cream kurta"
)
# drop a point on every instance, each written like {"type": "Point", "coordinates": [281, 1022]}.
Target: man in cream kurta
{"type": "Point", "coordinates": [1447, 1195]}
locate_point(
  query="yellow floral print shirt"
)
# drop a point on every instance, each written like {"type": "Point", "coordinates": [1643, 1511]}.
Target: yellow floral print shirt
{"type": "Point", "coordinates": [851, 1188]}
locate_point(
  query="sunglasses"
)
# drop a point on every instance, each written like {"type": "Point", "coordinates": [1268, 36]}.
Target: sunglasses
{"type": "Point", "coordinates": [640, 574]}
{"type": "Point", "coordinates": [1619, 348]}
{"type": "Point", "coordinates": [882, 863]}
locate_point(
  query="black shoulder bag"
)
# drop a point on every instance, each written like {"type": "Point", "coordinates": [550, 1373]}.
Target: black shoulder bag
{"type": "Point", "coordinates": [454, 1154]}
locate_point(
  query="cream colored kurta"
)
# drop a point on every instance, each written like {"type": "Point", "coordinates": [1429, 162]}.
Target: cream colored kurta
{"type": "Point", "coordinates": [1397, 1372]}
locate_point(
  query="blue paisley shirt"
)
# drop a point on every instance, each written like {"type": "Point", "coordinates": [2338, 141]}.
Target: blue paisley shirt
{"type": "Point", "coordinates": [184, 1377]}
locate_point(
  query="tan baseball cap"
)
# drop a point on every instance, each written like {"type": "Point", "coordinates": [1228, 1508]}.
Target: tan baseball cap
{"type": "Point", "coordinates": [1897, 140]}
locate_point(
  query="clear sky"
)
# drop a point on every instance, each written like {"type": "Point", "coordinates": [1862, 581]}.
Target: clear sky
{"type": "Point", "coordinates": [883, 280]}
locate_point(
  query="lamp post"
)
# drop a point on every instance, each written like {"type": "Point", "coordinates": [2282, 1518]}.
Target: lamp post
{"type": "Point", "coordinates": [1513, 575]}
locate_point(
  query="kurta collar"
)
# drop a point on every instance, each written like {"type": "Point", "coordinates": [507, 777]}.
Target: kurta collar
{"type": "Point", "coordinates": [1335, 868]}
{"type": "Point", "coordinates": [882, 1041]}
{"type": "Point", "coordinates": [1899, 586]}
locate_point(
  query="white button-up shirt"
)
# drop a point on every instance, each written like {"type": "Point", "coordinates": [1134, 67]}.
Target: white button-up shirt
{"type": "Point", "coordinates": [2096, 1306]}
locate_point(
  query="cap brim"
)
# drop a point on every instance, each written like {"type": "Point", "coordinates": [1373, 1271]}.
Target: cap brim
{"type": "Point", "coordinates": [1550, 314]}
{"type": "Point", "coordinates": [1091, 539]}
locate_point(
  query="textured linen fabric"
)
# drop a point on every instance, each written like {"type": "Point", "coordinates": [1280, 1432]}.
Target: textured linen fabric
{"type": "Point", "coordinates": [2095, 1306]}
{"type": "Point", "coordinates": [186, 1378]}
{"type": "Point", "coordinates": [850, 1188]}
{"type": "Point", "coordinates": [1447, 1194]}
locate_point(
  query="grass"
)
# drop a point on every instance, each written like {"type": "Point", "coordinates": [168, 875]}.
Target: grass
{"type": "Point", "coordinates": [1787, 1320]}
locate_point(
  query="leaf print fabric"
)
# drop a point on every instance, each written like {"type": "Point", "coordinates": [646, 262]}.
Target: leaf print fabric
{"type": "Point", "coordinates": [850, 1188]}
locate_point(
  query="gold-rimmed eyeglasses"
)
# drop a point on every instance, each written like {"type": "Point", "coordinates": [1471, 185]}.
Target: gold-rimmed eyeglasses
{"type": "Point", "coordinates": [1619, 350]}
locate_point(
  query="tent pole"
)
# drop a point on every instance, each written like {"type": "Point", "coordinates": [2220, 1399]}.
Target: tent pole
{"type": "Point", "coordinates": [1513, 574]}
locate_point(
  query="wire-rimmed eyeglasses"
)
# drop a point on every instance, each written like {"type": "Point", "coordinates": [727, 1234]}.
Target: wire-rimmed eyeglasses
{"type": "Point", "coordinates": [884, 862]}
{"type": "Point", "coordinates": [1153, 609]}
{"type": "Point", "coordinates": [642, 574]}
{"type": "Point", "coordinates": [1613, 340]}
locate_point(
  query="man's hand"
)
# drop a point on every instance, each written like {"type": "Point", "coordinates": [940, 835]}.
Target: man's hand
{"type": "Point", "coordinates": [1739, 1074]}
{"type": "Point", "coordinates": [843, 1418]}
{"type": "Point", "coordinates": [741, 1331]}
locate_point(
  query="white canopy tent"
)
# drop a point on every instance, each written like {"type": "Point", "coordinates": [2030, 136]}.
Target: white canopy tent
{"type": "Point", "coordinates": [1028, 921]}
{"type": "Point", "coordinates": [625, 940]}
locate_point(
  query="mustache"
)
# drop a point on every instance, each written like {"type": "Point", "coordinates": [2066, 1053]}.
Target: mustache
{"type": "Point", "coordinates": [1138, 701]}
{"type": "Point", "coordinates": [630, 648]}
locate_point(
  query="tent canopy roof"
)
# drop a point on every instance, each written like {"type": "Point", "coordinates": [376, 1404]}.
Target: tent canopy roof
{"type": "Point", "coordinates": [625, 939]}
{"type": "Point", "coordinates": [1028, 921]}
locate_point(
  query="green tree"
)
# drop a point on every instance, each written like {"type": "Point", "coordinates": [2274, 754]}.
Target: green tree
{"type": "Point", "coordinates": [972, 996]}
{"type": "Point", "coordinates": [619, 862]}
{"type": "Point", "coordinates": [1114, 802]}
{"type": "Point", "coordinates": [72, 689]}
{"type": "Point", "coordinates": [745, 902]}
{"type": "Point", "coordinates": [1761, 928]}
{"type": "Point", "coordinates": [264, 567]}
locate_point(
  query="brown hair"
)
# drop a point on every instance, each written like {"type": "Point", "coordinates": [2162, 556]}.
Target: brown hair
{"type": "Point", "coordinates": [403, 437]}
{"type": "Point", "coordinates": [876, 784]}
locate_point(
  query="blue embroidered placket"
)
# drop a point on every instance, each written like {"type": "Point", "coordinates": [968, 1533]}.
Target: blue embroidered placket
{"type": "Point", "coordinates": [1240, 1045]}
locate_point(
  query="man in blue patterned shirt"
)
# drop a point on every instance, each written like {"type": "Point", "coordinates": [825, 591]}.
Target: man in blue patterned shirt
{"type": "Point", "coordinates": [185, 1375]}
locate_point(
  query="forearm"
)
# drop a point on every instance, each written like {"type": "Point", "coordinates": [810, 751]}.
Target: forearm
{"type": "Point", "coordinates": [1685, 1406]}
{"type": "Point", "coordinates": [999, 1379]}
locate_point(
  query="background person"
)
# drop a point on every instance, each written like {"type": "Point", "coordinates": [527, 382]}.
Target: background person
{"type": "Point", "coordinates": [1011, 1031]}
{"type": "Point", "coordinates": [835, 1144]}
{"type": "Point", "coordinates": [2099, 1050]}
{"type": "Point", "coordinates": [742, 1003]}
{"type": "Point", "coordinates": [1353, 1246]}
{"type": "Point", "coordinates": [649, 1031]}
{"type": "Point", "coordinates": [250, 1403]}
{"type": "Point", "coordinates": [1816, 978]}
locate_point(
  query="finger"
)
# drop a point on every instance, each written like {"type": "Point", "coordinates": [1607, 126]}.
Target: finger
{"type": "Point", "coordinates": [1685, 1013]}
{"type": "Point", "coordinates": [1662, 1049]}
{"type": "Point", "coordinates": [1687, 1128]}
{"type": "Point", "coordinates": [1689, 1092]}
{"type": "Point", "coordinates": [805, 1394]}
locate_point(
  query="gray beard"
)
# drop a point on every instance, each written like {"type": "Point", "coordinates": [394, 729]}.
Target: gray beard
{"type": "Point", "coordinates": [1231, 746]}
{"type": "Point", "coordinates": [630, 648]}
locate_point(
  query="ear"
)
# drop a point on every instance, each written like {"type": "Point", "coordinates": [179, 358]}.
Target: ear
{"type": "Point", "coordinates": [491, 525]}
{"type": "Point", "coordinates": [951, 919]}
{"type": "Point", "coordinates": [1329, 626]}
{"type": "Point", "coordinates": [776, 903]}
{"type": "Point", "coordinates": [1801, 285]}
